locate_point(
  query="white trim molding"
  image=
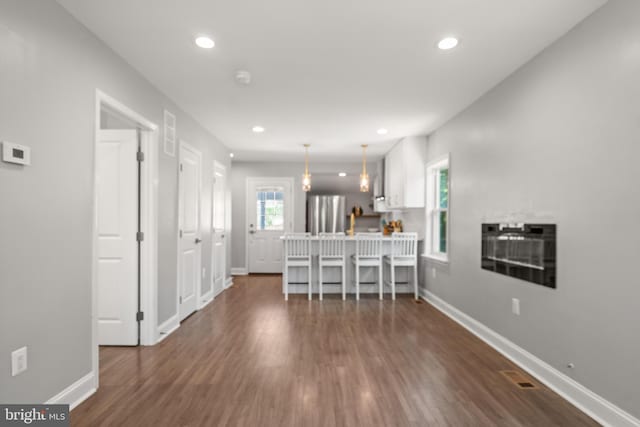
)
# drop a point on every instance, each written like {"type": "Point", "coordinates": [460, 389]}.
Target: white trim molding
{"type": "Point", "coordinates": [149, 215]}
{"type": "Point", "coordinates": [239, 271]}
{"type": "Point", "coordinates": [432, 207]}
{"type": "Point", "coordinates": [228, 283]}
{"type": "Point", "coordinates": [597, 407]}
{"type": "Point", "coordinates": [76, 393]}
{"type": "Point", "coordinates": [206, 299]}
{"type": "Point", "coordinates": [168, 327]}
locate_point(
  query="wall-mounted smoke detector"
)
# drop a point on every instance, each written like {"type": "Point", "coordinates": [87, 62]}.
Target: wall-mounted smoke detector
{"type": "Point", "coordinates": [243, 77]}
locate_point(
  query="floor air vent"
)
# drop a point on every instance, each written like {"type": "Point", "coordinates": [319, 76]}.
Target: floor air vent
{"type": "Point", "coordinates": [418, 301]}
{"type": "Point", "coordinates": [519, 379]}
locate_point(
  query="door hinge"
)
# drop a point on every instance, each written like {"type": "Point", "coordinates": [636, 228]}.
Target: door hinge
{"type": "Point", "coordinates": [140, 316]}
{"type": "Point", "coordinates": [181, 234]}
{"type": "Point", "coordinates": [140, 156]}
{"type": "Point", "coordinates": [181, 300]}
{"type": "Point", "coordinates": [139, 236]}
{"type": "Point", "coordinates": [180, 167]}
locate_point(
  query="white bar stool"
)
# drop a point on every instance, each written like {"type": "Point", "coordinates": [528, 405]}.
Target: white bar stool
{"type": "Point", "coordinates": [332, 254]}
{"type": "Point", "coordinates": [368, 254]}
{"type": "Point", "coordinates": [404, 253]}
{"type": "Point", "coordinates": [297, 253]}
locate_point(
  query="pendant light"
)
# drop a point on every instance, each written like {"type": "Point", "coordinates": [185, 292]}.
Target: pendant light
{"type": "Point", "coordinates": [306, 178]}
{"type": "Point", "coordinates": [364, 176]}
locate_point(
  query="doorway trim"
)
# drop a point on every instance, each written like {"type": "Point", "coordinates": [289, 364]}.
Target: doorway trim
{"type": "Point", "coordinates": [149, 221]}
{"type": "Point", "coordinates": [290, 210]}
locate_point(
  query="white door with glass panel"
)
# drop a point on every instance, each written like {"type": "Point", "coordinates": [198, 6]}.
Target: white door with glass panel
{"type": "Point", "coordinates": [189, 261]}
{"type": "Point", "coordinates": [269, 217]}
{"type": "Point", "coordinates": [117, 215]}
{"type": "Point", "coordinates": [218, 252]}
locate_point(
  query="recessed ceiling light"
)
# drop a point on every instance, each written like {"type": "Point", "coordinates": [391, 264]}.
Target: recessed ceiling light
{"type": "Point", "coordinates": [382, 131]}
{"type": "Point", "coordinates": [231, 155]}
{"type": "Point", "coordinates": [342, 174]}
{"type": "Point", "coordinates": [258, 129]}
{"type": "Point", "coordinates": [205, 42]}
{"type": "Point", "coordinates": [448, 43]}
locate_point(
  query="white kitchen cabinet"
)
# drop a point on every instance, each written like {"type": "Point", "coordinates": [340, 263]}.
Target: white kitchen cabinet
{"type": "Point", "coordinates": [404, 173]}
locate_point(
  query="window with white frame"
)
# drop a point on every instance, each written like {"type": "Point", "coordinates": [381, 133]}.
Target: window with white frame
{"type": "Point", "coordinates": [438, 178]}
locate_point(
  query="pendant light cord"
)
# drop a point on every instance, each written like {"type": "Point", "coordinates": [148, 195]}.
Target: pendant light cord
{"type": "Point", "coordinates": [306, 159]}
{"type": "Point", "coordinates": [364, 159]}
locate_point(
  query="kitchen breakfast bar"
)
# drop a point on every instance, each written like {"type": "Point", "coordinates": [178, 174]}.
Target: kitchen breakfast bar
{"type": "Point", "coordinates": [350, 265]}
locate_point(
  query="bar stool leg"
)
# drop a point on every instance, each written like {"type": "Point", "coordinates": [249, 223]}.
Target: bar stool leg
{"type": "Point", "coordinates": [320, 281]}
{"type": "Point", "coordinates": [415, 280]}
{"type": "Point", "coordinates": [393, 281]}
{"type": "Point", "coordinates": [286, 282]}
{"type": "Point", "coordinates": [357, 282]}
{"type": "Point", "coordinates": [344, 281]}
{"type": "Point", "coordinates": [380, 284]}
{"type": "Point", "coordinates": [310, 284]}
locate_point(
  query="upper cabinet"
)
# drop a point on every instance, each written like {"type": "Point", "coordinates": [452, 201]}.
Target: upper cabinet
{"type": "Point", "coordinates": [404, 174]}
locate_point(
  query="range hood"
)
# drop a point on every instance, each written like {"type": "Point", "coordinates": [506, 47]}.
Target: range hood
{"type": "Point", "coordinates": [379, 204]}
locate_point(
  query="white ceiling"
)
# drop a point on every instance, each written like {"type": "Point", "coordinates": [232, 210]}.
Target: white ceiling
{"type": "Point", "coordinates": [328, 72]}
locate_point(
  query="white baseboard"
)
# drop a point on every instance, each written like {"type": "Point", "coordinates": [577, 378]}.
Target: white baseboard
{"type": "Point", "coordinates": [76, 393]}
{"type": "Point", "coordinates": [206, 299]}
{"type": "Point", "coordinates": [224, 288]}
{"type": "Point", "coordinates": [239, 271]}
{"type": "Point", "coordinates": [167, 327]}
{"type": "Point", "coordinates": [228, 283]}
{"type": "Point", "coordinates": [598, 408]}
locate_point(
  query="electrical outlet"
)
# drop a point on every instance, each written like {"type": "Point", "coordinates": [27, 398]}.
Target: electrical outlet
{"type": "Point", "coordinates": [515, 306]}
{"type": "Point", "coordinates": [433, 272]}
{"type": "Point", "coordinates": [18, 361]}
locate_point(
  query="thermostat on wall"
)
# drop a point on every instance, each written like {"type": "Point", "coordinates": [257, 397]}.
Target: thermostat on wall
{"type": "Point", "coordinates": [16, 153]}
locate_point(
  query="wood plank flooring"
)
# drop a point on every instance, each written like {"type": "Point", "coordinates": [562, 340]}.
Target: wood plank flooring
{"type": "Point", "coordinates": [252, 359]}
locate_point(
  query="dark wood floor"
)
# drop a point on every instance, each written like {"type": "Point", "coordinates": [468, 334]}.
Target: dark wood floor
{"type": "Point", "coordinates": [252, 359]}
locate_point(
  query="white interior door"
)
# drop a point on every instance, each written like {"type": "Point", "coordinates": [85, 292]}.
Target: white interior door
{"type": "Point", "coordinates": [270, 215]}
{"type": "Point", "coordinates": [218, 250]}
{"type": "Point", "coordinates": [189, 277]}
{"type": "Point", "coordinates": [117, 250]}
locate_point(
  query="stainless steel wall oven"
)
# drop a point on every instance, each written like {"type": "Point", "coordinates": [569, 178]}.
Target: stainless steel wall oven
{"type": "Point", "coordinates": [523, 251]}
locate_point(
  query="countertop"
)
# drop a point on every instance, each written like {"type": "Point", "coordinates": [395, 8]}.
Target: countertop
{"type": "Point", "coordinates": [352, 238]}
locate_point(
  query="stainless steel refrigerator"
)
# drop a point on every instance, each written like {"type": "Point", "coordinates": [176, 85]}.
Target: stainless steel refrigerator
{"type": "Point", "coordinates": [326, 214]}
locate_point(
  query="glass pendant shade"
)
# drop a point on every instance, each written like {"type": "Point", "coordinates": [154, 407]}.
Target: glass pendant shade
{"type": "Point", "coordinates": [306, 182]}
{"type": "Point", "coordinates": [306, 177]}
{"type": "Point", "coordinates": [364, 182]}
{"type": "Point", "coordinates": [364, 176]}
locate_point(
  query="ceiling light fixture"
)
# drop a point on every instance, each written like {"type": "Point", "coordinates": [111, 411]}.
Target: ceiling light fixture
{"type": "Point", "coordinates": [448, 43]}
{"type": "Point", "coordinates": [257, 129]}
{"type": "Point", "coordinates": [205, 42]}
{"type": "Point", "coordinates": [231, 155]}
{"type": "Point", "coordinates": [306, 177]}
{"type": "Point", "coordinates": [364, 176]}
{"type": "Point", "coordinates": [342, 174]}
{"type": "Point", "coordinates": [382, 131]}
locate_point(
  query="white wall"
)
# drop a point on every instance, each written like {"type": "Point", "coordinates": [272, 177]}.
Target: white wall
{"type": "Point", "coordinates": [558, 141]}
{"type": "Point", "coordinates": [50, 67]}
